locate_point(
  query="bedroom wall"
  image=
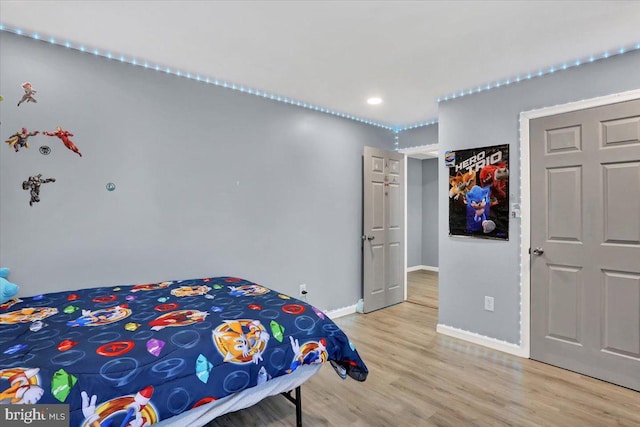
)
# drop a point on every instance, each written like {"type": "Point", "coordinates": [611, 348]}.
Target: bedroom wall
{"type": "Point", "coordinates": [414, 212]}
{"type": "Point", "coordinates": [424, 135]}
{"type": "Point", "coordinates": [209, 181]}
{"type": "Point", "coordinates": [473, 268]}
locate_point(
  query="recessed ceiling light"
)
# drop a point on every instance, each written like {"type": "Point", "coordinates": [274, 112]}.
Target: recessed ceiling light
{"type": "Point", "coordinates": [374, 101]}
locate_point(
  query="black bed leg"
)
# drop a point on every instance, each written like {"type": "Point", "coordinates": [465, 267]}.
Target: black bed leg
{"type": "Point", "coordinates": [296, 401]}
{"type": "Point", "coordinates": [298, 407]}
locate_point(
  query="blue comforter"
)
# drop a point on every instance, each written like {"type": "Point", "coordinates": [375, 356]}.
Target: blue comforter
{"type": "Point", "coordinates": [134, 355]}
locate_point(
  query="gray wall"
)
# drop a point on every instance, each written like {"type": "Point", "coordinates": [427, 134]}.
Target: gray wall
{"type": "Point", "coordinates": [209, 181]}
{"type": "Point", "coordinates": [414, 212]}
{"type": "Point", "coordinates": [473, 268]}
{"type": "Point", "coordinates": [430, 212]}
{"type": "Point", "coordinates": [425, 135]}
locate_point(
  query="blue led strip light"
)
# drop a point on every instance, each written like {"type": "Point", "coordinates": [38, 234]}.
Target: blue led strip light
{"type": "Point", "coordinates": [192, 76]}
{"type": "Point", "coordinates": [541, 72]}
{"type": "Point", "coordinates": [278, 98]}
{"type": "Point", "coordinates": [415, 125]}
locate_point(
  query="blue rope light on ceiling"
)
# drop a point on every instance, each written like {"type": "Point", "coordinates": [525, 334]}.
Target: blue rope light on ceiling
{"type": "Point", "coordinates": [268, 95]}
{"type": "Point", "coordinates": [415, 125]}
{"type": "Point", "coordinates": [541, 72]}
{"type": "Point", "coordinates": [197, 77]}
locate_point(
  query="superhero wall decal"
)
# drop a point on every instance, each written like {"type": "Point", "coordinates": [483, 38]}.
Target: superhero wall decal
{"type": "Point", "coordinates": [23, 137]}
{"type": "Point", "coordinates": [29, 91]}
{"type": "Point", "coordinates": [33, 184]}
{"type": "Point", "coordinates": [20, 139]}
{"type": "Point", "coordinates": [64, 137]}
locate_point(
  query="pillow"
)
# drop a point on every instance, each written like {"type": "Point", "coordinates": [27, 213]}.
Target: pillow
{"type": "Point", "coordinates": [7, 289]}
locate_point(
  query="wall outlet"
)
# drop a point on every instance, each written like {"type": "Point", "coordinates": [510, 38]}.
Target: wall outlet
{"type": "Point", "coordinates": [488, 303]}
{"type": "Point", "coordinates": [303, 289]}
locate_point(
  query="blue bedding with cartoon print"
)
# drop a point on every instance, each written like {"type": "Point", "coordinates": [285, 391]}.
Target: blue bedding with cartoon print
{"type": "Point", "coordinates": [134, 355]}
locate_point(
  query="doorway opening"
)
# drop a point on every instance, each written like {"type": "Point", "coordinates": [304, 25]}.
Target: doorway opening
{"type": "Point", "coordinates": [422, 225]}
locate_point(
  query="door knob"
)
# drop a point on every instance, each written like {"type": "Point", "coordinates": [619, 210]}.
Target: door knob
{"type": "Point", "coordinates": [538, 251]}
{"type": "Point", "coordinates": [371, 237]}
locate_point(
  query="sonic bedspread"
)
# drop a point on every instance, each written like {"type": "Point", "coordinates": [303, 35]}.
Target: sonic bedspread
{"type": "Point", "coordinates": [134, 355]}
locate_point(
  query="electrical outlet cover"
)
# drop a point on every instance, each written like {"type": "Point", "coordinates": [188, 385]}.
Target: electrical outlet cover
{"type": "Point", "coordinates": [489, 303]}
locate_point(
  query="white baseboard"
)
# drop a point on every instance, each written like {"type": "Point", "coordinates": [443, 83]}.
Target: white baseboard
{"type": "Point", "coordinates": [489, 342]}
{"type": "Point", "coordinates": [339, 312]}
{"type": "Point", "coordinates": [422, 267]}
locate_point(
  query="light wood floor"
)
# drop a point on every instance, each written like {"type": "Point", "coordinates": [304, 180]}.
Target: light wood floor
{"type": "Point", "coordinates": [422, 288]}
{"type": "Point", "coordinates": [420, 378]}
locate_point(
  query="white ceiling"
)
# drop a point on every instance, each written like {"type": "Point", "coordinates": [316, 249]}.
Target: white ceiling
{"type": "Point", "coordinates": [336, 54]}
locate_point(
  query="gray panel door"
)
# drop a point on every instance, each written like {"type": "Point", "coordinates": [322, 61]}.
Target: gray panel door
{"type": "Point", "coordinates": [383, 228]}
{"type": "Point", "coordinates": [585, 238]}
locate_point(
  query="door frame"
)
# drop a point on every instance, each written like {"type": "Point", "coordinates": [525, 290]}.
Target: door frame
{"type": "Point", "coordinates": [406, 222]}
{"type": "Point", "coordinates": [421, 152]}
{"type": "Point", "coordinates": [524, 349]}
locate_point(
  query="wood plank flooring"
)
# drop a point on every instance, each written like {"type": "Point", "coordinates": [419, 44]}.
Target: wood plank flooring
{"type": "Point", "coordinates": [422, 288]}
{"type": "Point", "coordinates": [420, 378]}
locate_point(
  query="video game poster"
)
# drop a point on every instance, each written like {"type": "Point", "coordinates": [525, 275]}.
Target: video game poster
{"type": "Point", "coordinates": [479, 192]}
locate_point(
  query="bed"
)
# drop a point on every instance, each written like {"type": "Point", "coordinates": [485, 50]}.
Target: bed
{"type": "Point", "coordinates": [170, 353]}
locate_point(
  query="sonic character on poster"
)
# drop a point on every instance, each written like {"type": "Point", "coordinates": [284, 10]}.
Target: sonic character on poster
{"type": "Point", "coordinates": [479, 193]}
